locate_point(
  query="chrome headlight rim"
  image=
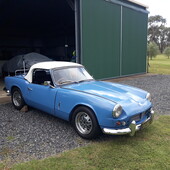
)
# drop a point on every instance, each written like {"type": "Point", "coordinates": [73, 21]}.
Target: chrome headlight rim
{"type": "Point", "coordinates": [148, 97]}
{"type": "Point", "coordinates": [117, 111]}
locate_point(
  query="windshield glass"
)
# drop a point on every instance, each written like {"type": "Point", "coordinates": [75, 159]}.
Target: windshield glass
{"type": "Point", "coordinates": [71, 75]}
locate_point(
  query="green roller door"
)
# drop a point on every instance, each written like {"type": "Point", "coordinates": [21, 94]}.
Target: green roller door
{"type": "Point", "coordinates": [100, 39]}
{"type": "Point", "coordinates": [134, 41]}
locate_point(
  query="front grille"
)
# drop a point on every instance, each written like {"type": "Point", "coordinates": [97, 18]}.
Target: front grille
{"type": "Point", "coordinates": [138, 117]}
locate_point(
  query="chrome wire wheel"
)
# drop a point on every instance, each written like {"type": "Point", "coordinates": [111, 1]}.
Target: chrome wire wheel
{"type": "Point", "coordinates": [83, 123]}
{"type": "Point", "coordinates": [17, 98]}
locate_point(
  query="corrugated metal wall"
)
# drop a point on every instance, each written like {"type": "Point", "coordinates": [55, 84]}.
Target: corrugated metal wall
{"type": "Point", "coordinates": [113, 39]}
{"type": "Point", "coordinates": [134, 41]}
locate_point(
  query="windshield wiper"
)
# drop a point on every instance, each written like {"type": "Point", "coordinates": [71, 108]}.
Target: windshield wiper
{"type": "Point", "coordinates": [66, 81]}
{"type": "Point", "coordinates": [84, 80]}
{"type": "Point", "coordinates": [71, 81]}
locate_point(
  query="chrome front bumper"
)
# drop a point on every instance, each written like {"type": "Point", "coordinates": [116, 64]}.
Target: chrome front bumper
{"type": "Point", "coordinates": [131, 129]}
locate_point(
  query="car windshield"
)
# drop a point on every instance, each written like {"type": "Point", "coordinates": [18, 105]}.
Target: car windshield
{"type": "Point", "coordinates": [71, 75]}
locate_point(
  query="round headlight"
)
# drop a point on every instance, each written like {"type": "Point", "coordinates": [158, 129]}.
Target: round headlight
{"type": "Point", "coordinates": [148, 96]}
{"type": "Point", "coordinates": [117, 111]}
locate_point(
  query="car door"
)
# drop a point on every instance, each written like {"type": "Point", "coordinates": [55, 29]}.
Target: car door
{"type": "Point", "coordinates": [41, 96]}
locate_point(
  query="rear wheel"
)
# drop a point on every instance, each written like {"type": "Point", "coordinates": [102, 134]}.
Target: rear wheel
{"type": "Point", "coordinates": [17, 99]}
{"type": "Point", "coordinates": [85, 123]}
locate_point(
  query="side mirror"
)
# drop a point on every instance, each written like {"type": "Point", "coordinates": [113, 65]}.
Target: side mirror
{"type": "Point", "coordinates": [48, 83]}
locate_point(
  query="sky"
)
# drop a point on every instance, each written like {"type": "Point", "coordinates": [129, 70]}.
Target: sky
{"type": "Point", "coordinates": [158, 7]}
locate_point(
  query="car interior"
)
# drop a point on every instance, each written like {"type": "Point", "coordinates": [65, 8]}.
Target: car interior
{"type": "Point", "coordinates": [42, 76]}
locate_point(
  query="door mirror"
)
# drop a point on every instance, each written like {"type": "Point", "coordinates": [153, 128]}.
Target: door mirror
{"type": "Point", "coordinates": [48, 83]}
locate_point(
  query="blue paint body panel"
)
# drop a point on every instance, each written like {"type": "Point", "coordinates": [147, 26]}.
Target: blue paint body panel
{"type": "Point", "coordinates": [99, 96]}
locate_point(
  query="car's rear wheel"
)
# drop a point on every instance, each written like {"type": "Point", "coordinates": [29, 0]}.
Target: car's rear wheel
{"type": "Point", "coordinates": [17, 99]}
{"type": "Point", "coordinates": [85, 123]}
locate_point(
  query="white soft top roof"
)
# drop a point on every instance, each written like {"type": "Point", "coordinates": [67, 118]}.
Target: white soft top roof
{"type": "Point", "coordinates": [49, 65]}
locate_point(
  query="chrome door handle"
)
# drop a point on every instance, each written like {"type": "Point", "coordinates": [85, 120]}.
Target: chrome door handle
{"type": "Point", "coordinates": [30, 89]}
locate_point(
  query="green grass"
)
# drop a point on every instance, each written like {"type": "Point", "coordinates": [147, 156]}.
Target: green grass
{"type": "Point", "coordinates": [148, 149]}
{"type": "Point", "coordinates": [159, 65]}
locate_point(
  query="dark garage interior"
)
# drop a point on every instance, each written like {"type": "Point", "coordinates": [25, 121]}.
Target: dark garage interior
{"type": "Point", "coordinates": [110, 33]}
{"type": "Point", "coordinates": [43, 26]}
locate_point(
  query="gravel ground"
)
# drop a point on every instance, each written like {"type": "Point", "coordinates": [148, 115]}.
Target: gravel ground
{"type": "Point", "coordinates": [159, 87]}
{"type": "Point", "coordinates": [33, 135]}
{"type": "Point", "coordinates": [36, 135]}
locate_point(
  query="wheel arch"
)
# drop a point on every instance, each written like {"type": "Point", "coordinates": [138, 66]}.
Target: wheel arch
{"type": "Point", "coordinates": [13, 87]}
{"type": "Point", "coordinates": [81, 105]}
{"type": "Point", "coordinates": [17, 87]}
{"type": "Point", "coordinates": [17, 97]}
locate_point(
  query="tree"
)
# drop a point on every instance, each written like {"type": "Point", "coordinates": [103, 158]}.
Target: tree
{"type": "Point", "coordinates": [153, 50]}
{"type": "Point", "coordinates": [164, 38]}
{"type": "Point", "coordinates": [158, 32]}
{"type": "Point", "coordinates": [167, 51]}
{"type": "Point", "coordinates": [155, 25]}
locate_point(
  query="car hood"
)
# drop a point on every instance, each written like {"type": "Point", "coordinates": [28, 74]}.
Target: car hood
{"type": "Point", "coordinates": [125, 95]}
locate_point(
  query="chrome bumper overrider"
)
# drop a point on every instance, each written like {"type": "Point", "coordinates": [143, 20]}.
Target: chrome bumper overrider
{"type": "Point", "coordinates": [131, 129]}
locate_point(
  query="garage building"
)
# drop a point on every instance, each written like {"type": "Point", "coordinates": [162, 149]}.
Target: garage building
{"type": "Point", "coordinates": [109, 36]}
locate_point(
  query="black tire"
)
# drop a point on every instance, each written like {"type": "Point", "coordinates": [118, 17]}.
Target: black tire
{"type": "Point", "coordinates": [17, 99]}
{"type": "Point", "coordinates": [85, 123]}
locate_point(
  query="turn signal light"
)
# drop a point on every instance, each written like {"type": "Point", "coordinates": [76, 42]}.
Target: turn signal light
{"type": "Point", "coordinates": [120, 123]}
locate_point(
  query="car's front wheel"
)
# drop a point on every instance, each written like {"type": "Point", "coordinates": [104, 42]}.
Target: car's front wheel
{"type": "Point", "coordinates": [85, 123]}
{"type": "Point", "coordinates": [17, 99]}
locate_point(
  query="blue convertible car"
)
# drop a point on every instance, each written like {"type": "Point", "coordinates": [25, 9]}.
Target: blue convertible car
{"type": "Point", "coordinates": [66, 90]}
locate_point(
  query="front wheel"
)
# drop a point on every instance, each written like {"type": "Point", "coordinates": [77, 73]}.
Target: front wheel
{"type": "Point", "coordinates": [17, 99]}
{"type": "Point", "coordinates": [85, 123]}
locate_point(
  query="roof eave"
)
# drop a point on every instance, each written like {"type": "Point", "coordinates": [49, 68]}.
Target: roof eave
{"type": "Point", "coordinates": [138, 3]}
